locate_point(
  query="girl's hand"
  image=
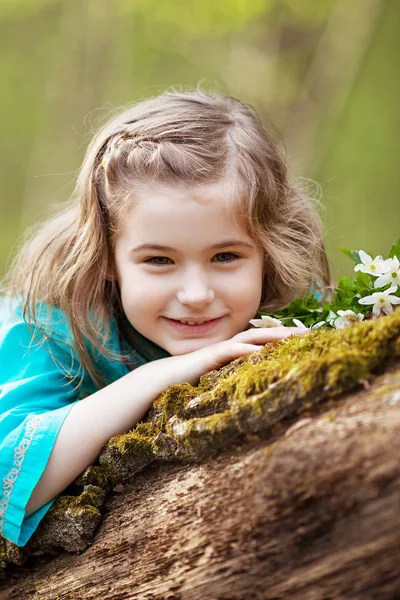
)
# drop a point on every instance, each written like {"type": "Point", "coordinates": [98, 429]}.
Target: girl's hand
{"type": "Point", "coordinates": [189, 367]}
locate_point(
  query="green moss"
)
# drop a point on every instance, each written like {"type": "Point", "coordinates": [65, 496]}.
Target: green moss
{"type": "Point", "coordinates": [87, 502]}
{"type": "Point", "coordinates": [93, 475]}
{"type": "Point", "coordinates": [294, 374]}
{"type": "Point", "coordinates": [200, 437]}
{"type": "Point", "coordinates": [129, 452]}
{"type": "Point", "coordinates": [206, 404]}
{"type": "Point", "coordinates": [172, 402]}
{"type": "Point", "coordinates": [257, 391]}
{"type": "Point", "coordinates": [141, 437]}
{"type": "Point", "coordinates": [88, 513]}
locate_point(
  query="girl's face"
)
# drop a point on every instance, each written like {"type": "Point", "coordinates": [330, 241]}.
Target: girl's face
{"type": "Point", "coordinates": [181, 257]}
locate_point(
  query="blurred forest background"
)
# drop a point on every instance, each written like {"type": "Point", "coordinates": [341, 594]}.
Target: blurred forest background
{"type": "Point", "coordinates": [325, 73]}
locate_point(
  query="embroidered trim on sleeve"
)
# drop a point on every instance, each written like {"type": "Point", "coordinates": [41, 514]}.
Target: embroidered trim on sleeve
{"type": "Point", "coordinates": [19, 456]}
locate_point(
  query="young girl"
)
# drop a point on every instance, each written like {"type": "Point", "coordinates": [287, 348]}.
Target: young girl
{"type": "Point", "coordinates": [182, 227]}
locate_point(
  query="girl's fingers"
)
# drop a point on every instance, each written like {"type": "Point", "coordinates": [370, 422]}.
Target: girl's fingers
{"type": "Point", "coordinates": [248, 348]}
{"type": "Point", "coordinates": [219, 354]}
{"type": "Point", "coordinates": [263, 335]}
{"type": "Point", "coordinates": [228, 353]}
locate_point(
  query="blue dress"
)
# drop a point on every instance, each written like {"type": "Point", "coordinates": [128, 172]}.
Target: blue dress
{"type": "Point", "coordinates": [35, 398]}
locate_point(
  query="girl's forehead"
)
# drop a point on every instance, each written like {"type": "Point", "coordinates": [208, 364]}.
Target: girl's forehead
{"type": "Point", "coordinates": [181, 211]}
{"type": "Point", "coordinates": [202, 193]}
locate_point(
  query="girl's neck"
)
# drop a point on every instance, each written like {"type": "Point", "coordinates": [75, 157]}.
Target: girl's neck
{"type": "Point", "coordinates": [132, 340]}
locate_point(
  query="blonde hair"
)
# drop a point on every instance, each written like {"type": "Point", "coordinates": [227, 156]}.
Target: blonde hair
{"type": "Point", "coordinates": [177, 138]}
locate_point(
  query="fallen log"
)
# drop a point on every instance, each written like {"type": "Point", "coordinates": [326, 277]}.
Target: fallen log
{"type": "Point", "coordinates": [278, 477]}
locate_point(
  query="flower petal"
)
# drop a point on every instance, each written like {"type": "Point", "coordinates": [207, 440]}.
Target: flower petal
{"type": "Point", "coordinates": [366, 258]}
{"type": "Point", "coordinates": [382, 280]}
{"type": "Point", "coordinates": [367, 299]}
{"type": "Point", "coordinates": [391, 290]}
{"type": "Point", "coordinates": [387, 309]}
{"type": "Point", "coordinates": [271, 322]}
{"type": "Point", "coordinates": [298, 323]}
{"type": "Point", "coordinates": [317, 325]}
{"type": "Point", "coordinates": [376, 310]}
{"type": "Point", "coordinates": [256, 322]}
{"type": "Point", "coordinates": [346, 313]}
{"type": "Point", "coordinates": [340, 323]}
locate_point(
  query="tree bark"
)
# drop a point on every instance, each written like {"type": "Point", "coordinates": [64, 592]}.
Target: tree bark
{"type": "Point", "coordinates": [309, 511]}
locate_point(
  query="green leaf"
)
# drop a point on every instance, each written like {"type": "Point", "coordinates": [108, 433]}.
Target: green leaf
{"type": "Point", "coordinates": [353, 254]}
{"type": "Point", "coordinates": [395, 250]}
{"type": "Point", "coordinates": [346, 283]}
{"type": "Point", "coordinates": [364, 282]}
{"type": "Point", "coordinates": [345, 292]}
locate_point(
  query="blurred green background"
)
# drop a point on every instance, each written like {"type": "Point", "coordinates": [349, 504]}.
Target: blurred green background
{"type": "Point", "coordinates": [324, 73]}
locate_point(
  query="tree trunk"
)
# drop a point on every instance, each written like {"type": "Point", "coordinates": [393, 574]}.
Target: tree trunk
{"type": "Point", "coordinates": [308, 511]}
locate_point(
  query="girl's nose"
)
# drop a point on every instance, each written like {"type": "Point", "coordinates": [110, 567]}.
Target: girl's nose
{"type": "Point", "coordinates": [195, 293]}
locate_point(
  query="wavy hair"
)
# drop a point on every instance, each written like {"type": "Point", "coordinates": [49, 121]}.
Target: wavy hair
{"type": "Point", "coordinates": [177, 138]}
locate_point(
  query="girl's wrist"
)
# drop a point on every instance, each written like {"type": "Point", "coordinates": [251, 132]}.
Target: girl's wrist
{"type": "Point", "coordinates": [160, 374]}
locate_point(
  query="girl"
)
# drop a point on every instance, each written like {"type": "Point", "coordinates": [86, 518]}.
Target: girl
{"type": "Point", "coordinates": [182, 227]}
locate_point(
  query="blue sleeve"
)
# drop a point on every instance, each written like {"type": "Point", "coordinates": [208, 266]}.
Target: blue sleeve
{"type": "Point", "coordinates": [35, 398]}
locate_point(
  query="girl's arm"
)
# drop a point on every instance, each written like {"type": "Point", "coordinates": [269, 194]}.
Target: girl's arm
{"type": "Point", "coordinates": [92, 422]}
{"type": "Point", "coordinates": [119, 406]}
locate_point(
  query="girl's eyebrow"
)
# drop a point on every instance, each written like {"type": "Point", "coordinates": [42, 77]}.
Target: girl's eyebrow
{"type": "Point", "coordinates": [169, 249]}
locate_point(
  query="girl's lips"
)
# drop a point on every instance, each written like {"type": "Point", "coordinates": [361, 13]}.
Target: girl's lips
{"type": "Point", "coordinates": [203, 328]}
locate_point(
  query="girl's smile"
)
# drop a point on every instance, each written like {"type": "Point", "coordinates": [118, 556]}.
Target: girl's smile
{"type": "Point", "coordinates": [196, 326]}
{"type": "Point", "coordinates": [180, 256]}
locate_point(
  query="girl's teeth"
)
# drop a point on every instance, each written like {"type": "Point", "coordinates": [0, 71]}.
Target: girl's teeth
{"type": "Point", "coordinates": [192, 322]}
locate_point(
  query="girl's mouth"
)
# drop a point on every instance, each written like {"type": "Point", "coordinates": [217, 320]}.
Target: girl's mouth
{"type": "Point", "coordinates": [196, 328]}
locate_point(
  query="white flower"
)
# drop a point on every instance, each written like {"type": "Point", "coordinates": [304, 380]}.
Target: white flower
{"type": "Point", "coordinates": [266, 322]}
{"type": "Point", "coordinates": [298, 323]}
{"type": "Point", "coordinates": [382, 302]}
{"type": "Point", "coordinates": [347, 317]}
{"type": "Point", "coordinates": [331, 318]}
{"type": "Point", "coordinates": [392, 275]}
{"type": "Point", "coordinates": [377, 266]}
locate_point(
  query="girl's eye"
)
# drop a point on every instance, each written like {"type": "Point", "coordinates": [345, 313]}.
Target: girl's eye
{"type": "Point", "coordinates": [225, 257]}
{"type": "Point", "coordinates": [159, 261]}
